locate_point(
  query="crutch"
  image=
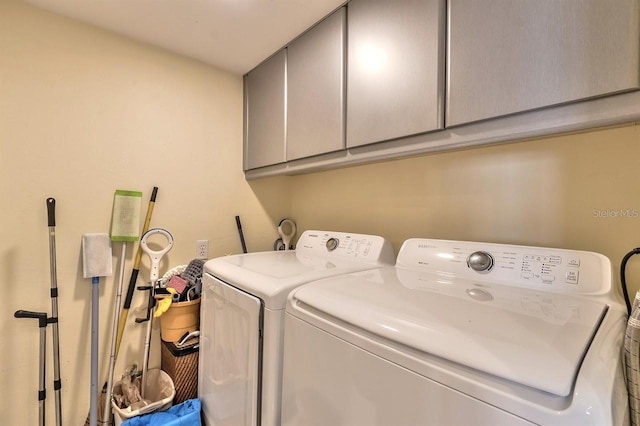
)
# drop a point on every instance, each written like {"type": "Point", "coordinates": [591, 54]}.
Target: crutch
{"type": "Point", "coordinates": [42, 323]}
{"type": "Point", "coordinates": [57, 384]}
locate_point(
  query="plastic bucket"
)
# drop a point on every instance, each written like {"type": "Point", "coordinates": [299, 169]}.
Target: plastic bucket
{"type": "Point", "coordinates": [160, 390]}
{"type": "Point", "coordinates": [181, 317]}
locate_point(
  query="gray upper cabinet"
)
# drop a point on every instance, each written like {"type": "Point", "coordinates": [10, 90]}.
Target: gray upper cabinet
{"type": "Point", "coordinates": [385, 79]}
{"type": "Point", "coordinates": [508, 56]}
{"type": "Point", "coordinates": [395, 69]}
{"type": "Point", "coordinates": [264, 103]}
{"type": "Point", "coordinates": [315, 89]}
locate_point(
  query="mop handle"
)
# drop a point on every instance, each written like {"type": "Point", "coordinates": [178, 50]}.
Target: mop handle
{"type": "Point", "coordinates": [51, 211]}
{"type": "Point", "coordinates": [51, 221]}
{"type": "Point", "coordinates": [138, 258]}
{"type": "Point", "coordinates": [57, 383]}
{"type": "Point", "coordinates": [134, 273]}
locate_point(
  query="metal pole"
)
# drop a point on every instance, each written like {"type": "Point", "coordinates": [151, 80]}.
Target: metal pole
{"type": "Point", "coordinates": [42, 323]}
{"type": "Point", "coordinates": [57, 384]}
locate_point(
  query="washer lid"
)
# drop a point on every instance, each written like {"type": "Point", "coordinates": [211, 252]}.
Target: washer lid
{"type": "Point", "coordinates": [534, 338]}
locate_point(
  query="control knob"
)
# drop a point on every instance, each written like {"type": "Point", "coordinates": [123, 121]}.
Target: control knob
{"type": "Point", "coordinates": [332, 244]}
{"type": "Point", "coordinates": [480, 261]}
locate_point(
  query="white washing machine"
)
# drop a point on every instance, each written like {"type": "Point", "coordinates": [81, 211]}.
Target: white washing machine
{"type": "Point", "coordinates": [459, 333]}
{"type": "Point", "coordinates": [242, 320]}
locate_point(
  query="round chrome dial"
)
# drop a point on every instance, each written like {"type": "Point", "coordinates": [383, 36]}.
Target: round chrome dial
{"type": "Point", "coordinates": [332, 244]}
{"type": "Point", "coordinates": [480, 261]}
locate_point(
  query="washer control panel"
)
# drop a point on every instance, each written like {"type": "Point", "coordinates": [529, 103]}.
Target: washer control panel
{"type": "Point", "coordinates": [549, 268]}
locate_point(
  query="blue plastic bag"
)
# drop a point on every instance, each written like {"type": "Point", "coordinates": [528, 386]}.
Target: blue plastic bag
{"type": "Point", "coordinates": [184, 414]}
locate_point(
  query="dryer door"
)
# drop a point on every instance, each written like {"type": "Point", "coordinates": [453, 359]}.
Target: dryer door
{"type": "Point", "coordinates": [230, 348]}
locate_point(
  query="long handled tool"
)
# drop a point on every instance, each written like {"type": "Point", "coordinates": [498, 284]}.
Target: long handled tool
{"type": "Point", "coordinates": [96, 257]}
{"type": "Point", "coordinates": [241, 234]}
{"type": "Point", "coordinates": [134, 272]}
{"type": "Point", "coordinates": [42, 323]}
{"type": "Point", "coordinates": [127, 301]}
{"type": "Point", "coordinates": [124, 228]}
{"type": "Point", "coordinates": [57, 384]}
{"type": "Point", "coordinates": [154, 257]}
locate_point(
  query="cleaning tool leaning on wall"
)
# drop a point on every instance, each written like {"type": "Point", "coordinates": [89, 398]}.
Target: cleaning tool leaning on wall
{"type": "Point", "coordinates": [124, 228]}
{"type": "Point", "coordinates": [96, 261]}
{"type": "Point", "coordinates": [104, 416]}
{"type": "Point", "coordinates": [134, 272]}
{"type": "Point", "coordinates": [57, 383]}
{"type": "Point", "coordinates": [43, 321]}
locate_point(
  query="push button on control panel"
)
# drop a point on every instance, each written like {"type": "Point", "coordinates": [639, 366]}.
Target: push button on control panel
{"type": "Point", "coordinates": [571, 277]}
{"type": "Point", "coordinates": [553, 260]}
{"type": "Point", "coordinates": [575, 263]}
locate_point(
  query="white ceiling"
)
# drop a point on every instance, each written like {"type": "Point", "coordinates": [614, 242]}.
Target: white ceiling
{"type": "Point", "coordinates": [234, 35]}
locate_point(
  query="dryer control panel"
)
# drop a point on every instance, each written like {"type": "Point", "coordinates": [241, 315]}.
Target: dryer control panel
{"type": "Point", "coordinates": [553, 269]}
{"type": "Point", "coordinates": [345, 246]}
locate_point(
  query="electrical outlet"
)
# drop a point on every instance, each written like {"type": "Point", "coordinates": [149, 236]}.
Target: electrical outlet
{"type": "Point", "coordinates": [202, 249]}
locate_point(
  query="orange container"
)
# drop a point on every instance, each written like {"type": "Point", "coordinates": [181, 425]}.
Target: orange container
{"type": "Point", "coordinates": [181, 317]}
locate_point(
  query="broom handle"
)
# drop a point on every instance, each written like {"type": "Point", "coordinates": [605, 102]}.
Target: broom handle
{"type": "Point", "coordinates": [95, 309]}
{"type": "Point", "coordinates": [106, 415]}
{"type": "Point", "coordinates": [57, 383]}
{"type": "Point", "coordinates": [134, 272]}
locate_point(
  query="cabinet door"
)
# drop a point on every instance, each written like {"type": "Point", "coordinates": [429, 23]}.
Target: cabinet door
{"type": "Point", "coordinates": [395, 69]}
{"type": "Point", "coordinates": [264, 90]}
{"type": "Point", "coordinates": [507, 56]}
{"type": "Point", "coordinates": [315, 89]}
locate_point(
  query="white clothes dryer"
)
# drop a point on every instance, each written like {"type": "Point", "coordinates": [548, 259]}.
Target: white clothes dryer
{"type": "Point", "coordinates": [242, 320]}
{"type": "Point", "coordinates": [459, 333]}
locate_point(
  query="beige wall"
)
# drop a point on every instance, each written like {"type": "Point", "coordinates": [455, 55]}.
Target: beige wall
{"type": "Point", "coordinates": [553, 192]}
{"type": "Point", "coordinates": [83, 113]}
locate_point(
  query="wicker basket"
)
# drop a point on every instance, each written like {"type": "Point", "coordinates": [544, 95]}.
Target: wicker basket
{"type": "Point", "coordinates": [181, 364]}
